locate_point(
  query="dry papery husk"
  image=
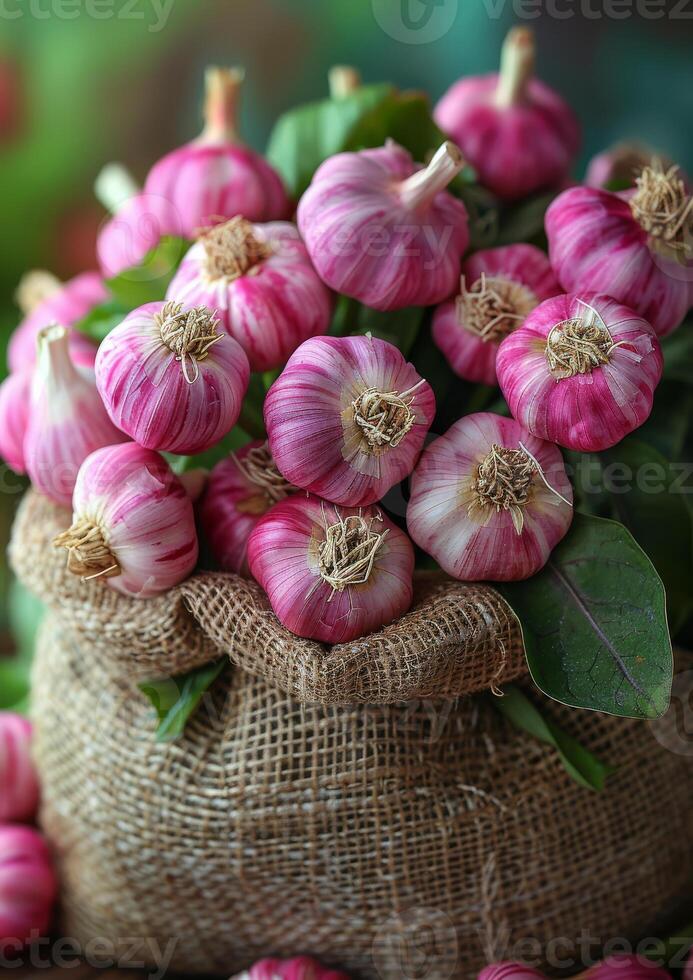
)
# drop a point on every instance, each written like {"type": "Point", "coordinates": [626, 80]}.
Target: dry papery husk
{"type": "Point", "coordinates": [363, 803]}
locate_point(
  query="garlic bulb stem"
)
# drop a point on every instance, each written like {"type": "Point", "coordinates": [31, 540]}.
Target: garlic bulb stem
{"type": "Point", "coordinates": [343, 80]}
{"type": "Point", "coordinates": [114, 186]}
{"type": "Point", "coordinates": [423, 186]}
{"type": "Point", "coordinates": [516, 67]}
{"type": "Point", "coordinates": [54, 354]}
{"type": "Point", "coordinates": [222, 98]}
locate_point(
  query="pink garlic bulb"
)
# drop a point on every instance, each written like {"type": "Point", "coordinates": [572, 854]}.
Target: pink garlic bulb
{"type": "Point", "coordinates": [14, 418]}
{"type": "Point", "coordinates": [627, 967]}
{"type": "Point", "coordinates": [499, 287]}
{"type": "Point", "coordinates": [262, 285]}
{"type": "Point", "coordinates": [133, 522]}
{"type": "Point", "coordinates": [383, 232]}
{"type": "Point", "coordinates": [299, 968]}
{"type": "Point", "coordinates": [489, 500]}
{"type": "Point", "coordinates": [170, 380]}
{"type": "Point", "coordinates": [581, 371]}
{"type": "Point", "coordinates": [347, 418]}
{"type": "Point", "coordinates": [636, 247]}
{"type": "Point", "coordinates": [66, 304]}
{"type": "Point", "coordinates": [239, 491]}
{"type": "Point", "coordinates": [67, 419]}
{"type": "Point", "coordinates": [518, 134]}
{"type": "Point", "coordinates": [28, 888]}
{"type": "Point", "coordinates": [216, 176]}
{"type": "Point", "coordinates": [18, 779]}
{"type": "Point", "coordinates": [331, 573]}
{"type": "Point", "coordinates": [510, 971]}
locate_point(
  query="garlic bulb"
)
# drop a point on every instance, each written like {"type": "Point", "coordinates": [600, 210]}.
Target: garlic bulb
{"type": "Point", "coordinates": [510, 971]}
{"type": "Point", "coordinates": [636, 247]}
{"type": "Point", "coordinates": [518, 134]}
{"type": "Point", "coordinates": [331, 573]}
{"type": "Point", "coordinates": [239, 491]}
{"type": "Point", "coordinates": [347, 418]}
{"type": "Point", "coordinates": [133, 522]}
{"type": "Point", "coordinates": [67, 419]}
{"type": "Point", "coordinates": [14, 418]}
{"type": "Point", "coordinates": [627, 967]}
{"type": "Point", "coordinates": [66, 304]}
{"type": "Point", "coordinates": [581, 371]}
{"type": "Point", "coordinates": [489, 500]}
{"type": "Point", "coordinates": [499, 287]}
{"type": "Point", "coordinates": [170, 379]}
{"type": "Point", "coordinates": [18, 778]}
{"type": "Point", "coordinates": [216, 176]}
{"type": "Point", "coordinates": [384, 232]}
{"type": "Point", "coordinates": [299, 968]}
{"type": "Point", "coordinates": [28, 888]}
{"type": "Point", "coordinates": [262, 285]}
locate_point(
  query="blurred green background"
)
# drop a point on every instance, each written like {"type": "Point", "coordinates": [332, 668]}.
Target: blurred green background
{"type": "Point", "coordinates": [83, 82]}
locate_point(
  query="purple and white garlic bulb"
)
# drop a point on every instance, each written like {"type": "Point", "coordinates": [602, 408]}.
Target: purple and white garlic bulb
{"type": "Point", "coordinates": [18, 776]}
{"type": "Point", "coordinates": [581, 371]}
{"type": "Point", "coordinates": [240, 489]}
{"type": "Point", "coordinates": [518, 134]}
{"type": "Point", "coordinates": [330, 573]}
{"type": "Point", "coordinates": [216, 176]}
{"type": "Point", "coordinates": [636, 247]}
{"type": "Point", "coordinates": [499, 288]}
{"type": "Point", "coordinates": [383, 232]}
{"type": "Point", "coordinates": [67, 420]}
{"type": "Point", "coordinates": [262, 285]}
{"type": "Point", "coordinates": [133, 523]}
{"type": "Point", "coordinates": [170, 379]}
{"type": "Point", "coordinates": [347, 418]}
{"type": "Point", "coordinates": [298, 968]}
{"type": "Point", "coordinates": [65, 303]}
{"type": "Point", "coordinates": [28, 889]}
{"type": "Point", "coordinates": [14, 418]}
{"type": "Point", "coordinates": [489, 500]}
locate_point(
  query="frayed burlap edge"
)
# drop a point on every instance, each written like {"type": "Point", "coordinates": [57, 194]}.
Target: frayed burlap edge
{"type": "Point", "coordinates": [457, 638]}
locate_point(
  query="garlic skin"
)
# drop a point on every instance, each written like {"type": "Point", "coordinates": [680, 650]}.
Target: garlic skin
{"type": "Point", "coordinates": [347, 418]}
{"type": "Point", "coordinates": [581, 371]}
{"type": "Point", "coordinates": [67, 305]}
{"type": "Point", "coordinates": [239, 491]}
{"type": "Point", "coordinates": [331, 573]}
{"type": "Point", "coordinates": [489, 500]}
{"type": "Point", "coordinates": [299, 968]}
{"type": "Point", "coordinates": [260, 281]}
{"type": "Point", "coordinates": [67, 419]}
{"type": "Point", "coordinates": [18, 778]}
{"type": "Point", "coordinates": [136, 228]}
{"type": "Point", "coordinates": [133, 523]}
{"type": "Point", "coordinates": [216, 176]}
{"type": "Point", "coordinates": [499, 287]}
{"type": "Point", "coordinates": [14, 418]}
{"type": "Point", "coordinates": [170, 379]}
{"type": "Point", "coordinates": [518, 134]}
{"type": "Point", "coordinates": [28, 888]}
{"type": "Point", "coordinates": [626, 246]}
{"type": "Point", "coordinates": [382, 231]}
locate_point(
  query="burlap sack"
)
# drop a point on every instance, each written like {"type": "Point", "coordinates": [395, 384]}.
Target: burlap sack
{"type": "Point", "coordinates": [354, 802]}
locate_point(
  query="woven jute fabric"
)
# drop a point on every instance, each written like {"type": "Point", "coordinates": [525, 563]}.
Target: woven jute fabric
{"type": "Point", "coordinates": [418, 838]}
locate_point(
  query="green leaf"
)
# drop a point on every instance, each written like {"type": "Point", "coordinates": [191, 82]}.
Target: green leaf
{"type": "Point", "coordinates": [594, 623]}
{"type": "Point", "coordinates": [399, 327]}
{"type": "Point", "coordinates": [404, 117]}
{"type": "Point", "coordinates": [647, 497]}
{"type": "Point", "coordinates": [25, 612]}
{"type": "Point", "coordinates": [176, 698]}
{"type": "Point", "coordinates": [102, 319]}
{"type": "Point", "coordinates": [148, 282]}
{"type": "Point", "coordinates": [303, 137]}
{"type": "Point", "coordinates": [678, 354]}
{"type": "Point", "coordinates": [584, 767]}
{"type": "Point", "coordinates": [524, 222]}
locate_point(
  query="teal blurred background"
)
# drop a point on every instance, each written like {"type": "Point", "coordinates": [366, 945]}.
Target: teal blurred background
{"type": "Point", "coordinates": [83, 82]}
